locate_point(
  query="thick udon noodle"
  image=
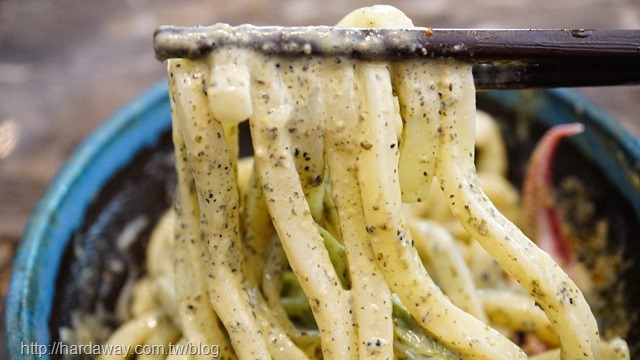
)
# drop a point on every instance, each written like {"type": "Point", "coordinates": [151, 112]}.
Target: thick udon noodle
{"type": "Point", "coordinates": [341, 147]}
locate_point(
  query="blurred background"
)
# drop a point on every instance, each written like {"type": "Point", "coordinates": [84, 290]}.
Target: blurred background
{"type": "Point", "coordinates": [66, 65]}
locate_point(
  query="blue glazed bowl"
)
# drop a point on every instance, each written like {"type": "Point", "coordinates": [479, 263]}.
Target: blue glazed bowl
{"type": "Point", "coordinates": [62, 210]}
{"type": "Point", "coordinates": [89, 201]}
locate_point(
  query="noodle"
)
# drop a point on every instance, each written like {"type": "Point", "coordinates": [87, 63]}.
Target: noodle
{"type": "Point", "coordinates": [312, 249]}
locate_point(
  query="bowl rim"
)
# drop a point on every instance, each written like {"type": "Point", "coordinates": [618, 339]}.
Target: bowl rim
{"type": "Point", "coordinates": [60, 212]}
{"type": "Point", "coordinates": [119, 139]}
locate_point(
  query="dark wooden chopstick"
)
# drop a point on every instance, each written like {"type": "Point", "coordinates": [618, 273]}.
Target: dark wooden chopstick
{"type": "Point", "coordinates": [488, 76]}
{"type": "Point", "coordinates": [502, 59]}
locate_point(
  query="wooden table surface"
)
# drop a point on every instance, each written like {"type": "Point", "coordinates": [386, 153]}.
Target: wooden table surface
{"type": "Point", "coordinates": [66, 65]}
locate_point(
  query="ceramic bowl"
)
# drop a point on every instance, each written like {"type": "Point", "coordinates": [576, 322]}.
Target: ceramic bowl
{"type": "Point", "coordinates": [69, 261]}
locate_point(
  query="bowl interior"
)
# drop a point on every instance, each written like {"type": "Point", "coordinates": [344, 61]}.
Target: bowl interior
{"type": "Point", "coordinates": [91, 267]}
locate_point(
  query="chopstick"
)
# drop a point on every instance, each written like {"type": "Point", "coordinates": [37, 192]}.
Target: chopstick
{"type": "Point", "coordinates": [502, 59]}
